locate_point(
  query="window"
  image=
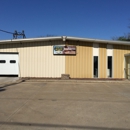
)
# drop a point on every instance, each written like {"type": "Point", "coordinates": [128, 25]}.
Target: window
{"type": "Point", "coordinates": [12, 61]}
{"type": "Point", "coordinates": [109, 66]}
{"type": "Point", "coordinates": [2, 61]}
{"type": "Point", "coordinates": [95, 66]}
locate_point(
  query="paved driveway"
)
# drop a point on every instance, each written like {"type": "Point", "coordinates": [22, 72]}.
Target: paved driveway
{"type": "Point", "coordinates": [65, 106]}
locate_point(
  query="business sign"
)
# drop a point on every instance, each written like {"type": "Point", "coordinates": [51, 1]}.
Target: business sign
{"type": "Point", "coordinates": [64, 50]}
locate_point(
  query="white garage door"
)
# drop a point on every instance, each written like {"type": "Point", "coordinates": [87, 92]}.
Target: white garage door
{"type": "Point", "coordinates": [9, 64]}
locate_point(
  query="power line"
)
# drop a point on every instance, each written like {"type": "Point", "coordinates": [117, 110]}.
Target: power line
{"type": "Point", "coordinates": [5, 31]}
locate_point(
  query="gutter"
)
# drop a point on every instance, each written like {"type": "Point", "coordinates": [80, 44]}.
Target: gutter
{"type": "Point", "coordinates": [98, 41]}
{"type": "Point", "coordinates": [30, 40]}
{"type": "Point", "coordinates": [64, 38]}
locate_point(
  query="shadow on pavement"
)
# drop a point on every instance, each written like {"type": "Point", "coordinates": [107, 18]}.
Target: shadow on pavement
{"type": "Point", "coordinates": [2, 89]}
{"type": "Point", "coordinates": [60, 126]}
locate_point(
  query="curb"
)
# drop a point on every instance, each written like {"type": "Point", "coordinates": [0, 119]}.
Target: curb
{"type": "Point", "coordinates": [78, 81]}
{"type": "Point", "coordinates": [20, 80]}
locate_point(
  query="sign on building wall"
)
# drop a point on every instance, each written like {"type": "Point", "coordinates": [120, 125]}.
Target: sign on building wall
{"type": "Point", "coordinates": [64, 50]}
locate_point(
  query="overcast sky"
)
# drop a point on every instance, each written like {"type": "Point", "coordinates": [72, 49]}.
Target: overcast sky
{"type": "Point", "coordinates": [100, 19]}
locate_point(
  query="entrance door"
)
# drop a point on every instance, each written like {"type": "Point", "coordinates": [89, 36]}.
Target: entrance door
{"type": "Point", "coordinates": [9, 64]}
{"type": "Point", "coordinates": [127, 67]}
{"type": "Point", "coordinates": [95, 67]}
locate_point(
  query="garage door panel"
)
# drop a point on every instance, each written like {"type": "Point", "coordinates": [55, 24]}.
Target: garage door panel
{"type": "Point", "coordinates": [9, 64]}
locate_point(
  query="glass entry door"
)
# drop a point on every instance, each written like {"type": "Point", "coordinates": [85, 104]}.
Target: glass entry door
{"type": "Point", "coordinates": [127, 67]}
{"type": "Point", "coordinates": [95, 66]}
{"type": "Point", "coordinates": [109, 66]}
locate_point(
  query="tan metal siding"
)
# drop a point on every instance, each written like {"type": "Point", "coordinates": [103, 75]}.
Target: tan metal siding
{"type": "Point", "coordinates": [102, 61]}
{"type": "Point", "coordinates": [37, 59]}
{"type": "Point", "coordinates": [118, 60]}
{"type": "Point", "coordinates": [80, 65]}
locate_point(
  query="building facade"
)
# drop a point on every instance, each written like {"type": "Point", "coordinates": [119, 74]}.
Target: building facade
{"type": "Point", "coordinates": [93, 58]}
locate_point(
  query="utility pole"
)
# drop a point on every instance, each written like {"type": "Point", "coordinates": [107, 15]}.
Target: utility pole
{"type": "Point", "coordinates": [16, 34]}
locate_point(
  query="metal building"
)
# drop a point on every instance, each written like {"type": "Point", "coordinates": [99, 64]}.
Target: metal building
{"type": "Point", "coordinates": [49, 57]}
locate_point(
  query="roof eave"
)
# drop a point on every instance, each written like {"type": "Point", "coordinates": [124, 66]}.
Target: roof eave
{"type": "Point", "coordinates": [98, 41]}
{"type": "Point", "coordinates": [64, 38]}
{"type": "Point", "coordinates": [30, 40]}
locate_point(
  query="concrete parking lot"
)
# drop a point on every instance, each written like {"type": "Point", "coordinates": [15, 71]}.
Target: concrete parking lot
{"type": "Point", "coordinates": [65, 105]}
{"type": "Point", "coordinates": [5, 80]}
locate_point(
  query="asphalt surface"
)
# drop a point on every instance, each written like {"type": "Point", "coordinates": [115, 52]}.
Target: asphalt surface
{"type": "Point", "coordinates": [65, 106]}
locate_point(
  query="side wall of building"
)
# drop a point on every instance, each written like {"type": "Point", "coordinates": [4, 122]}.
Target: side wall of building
{"type": "Point", "coordinates": [118, 60]}
{"type": "Point", "coordinates": [80, 65]}
{"type": "Point", "coordinates": [37, 59]}
{"type": "Point", "coordinates": [102, 61]}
